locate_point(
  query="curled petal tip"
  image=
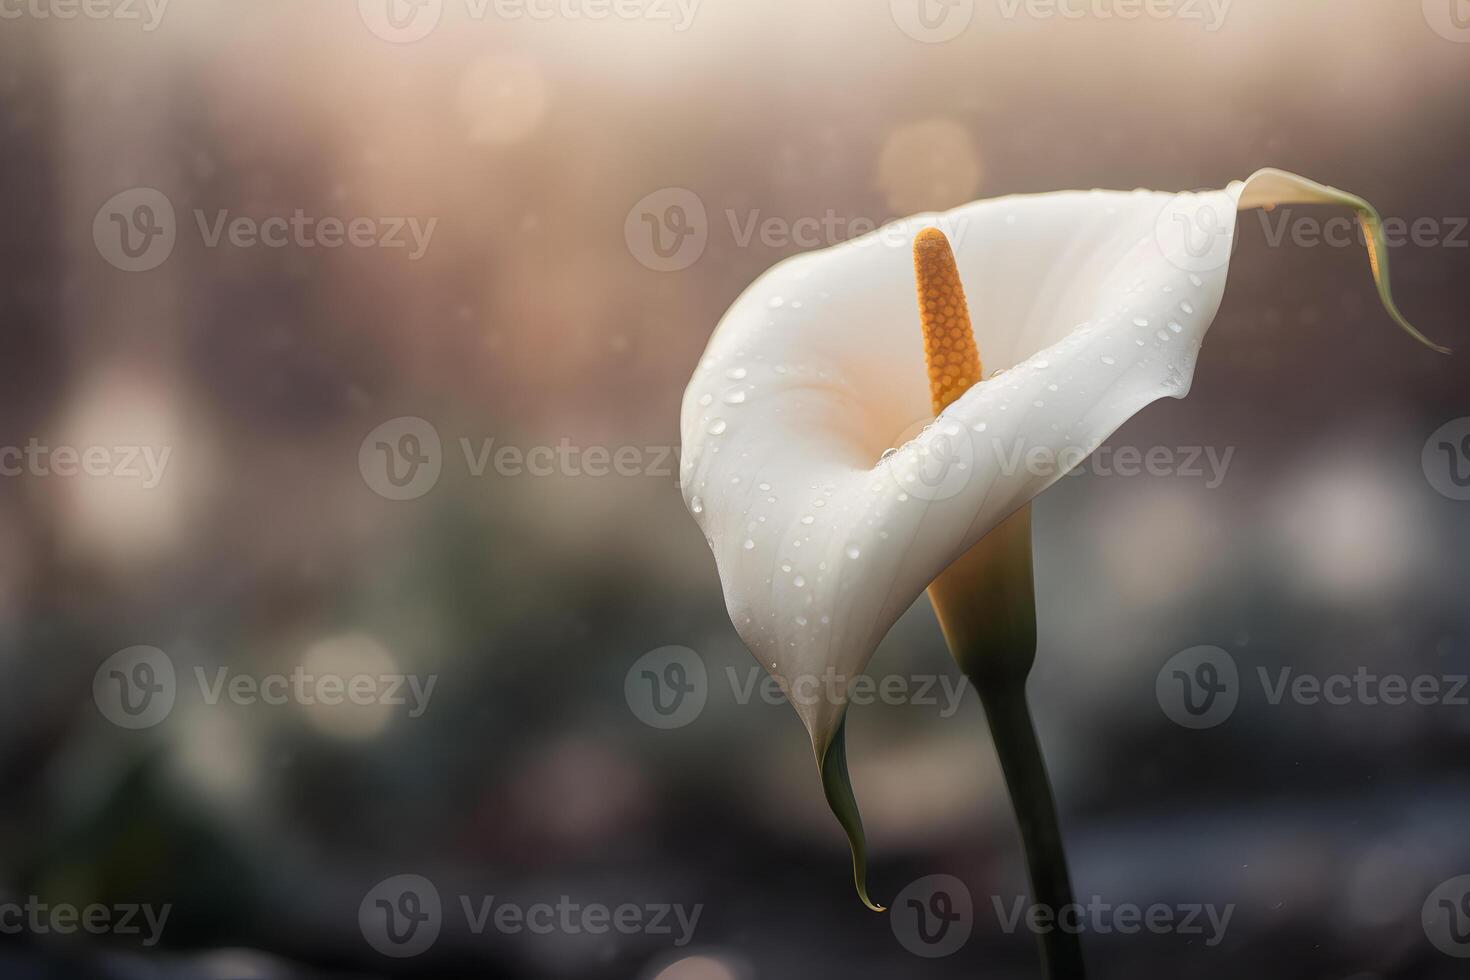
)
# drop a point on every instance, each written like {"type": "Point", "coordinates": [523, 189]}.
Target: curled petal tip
{"type": "Point", "coordinates": [837, 785]}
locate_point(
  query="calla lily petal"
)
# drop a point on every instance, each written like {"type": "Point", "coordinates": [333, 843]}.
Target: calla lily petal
{"type": "Point", "coordinates": [829, 494]}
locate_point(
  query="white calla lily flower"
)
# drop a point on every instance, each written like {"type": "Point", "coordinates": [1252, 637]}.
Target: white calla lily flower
{"type": "Point", "coordinates": [830, 494]}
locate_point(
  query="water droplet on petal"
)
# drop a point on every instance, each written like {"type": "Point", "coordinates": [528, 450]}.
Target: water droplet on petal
{"type": "Point", "coordinates": [735, 374]}
{"type": "Point", "coordinates": [853, 551]}
{"type": "Point", "coordinates": [696, 505]}
{"type": "Point", "coordinates": [716, 427]}
{"type": "Point", "coordinates": [749, 544]}
{"type": "Point", "coordinates": [776, 302]}
{"type": "Point", "coordinates": [1109, 359]}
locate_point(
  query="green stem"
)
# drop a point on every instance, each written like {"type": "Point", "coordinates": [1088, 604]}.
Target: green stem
{"type": "Point", "coordinates": [1036, 813]}
{"type": "Point", "coordinates": [986, 604]}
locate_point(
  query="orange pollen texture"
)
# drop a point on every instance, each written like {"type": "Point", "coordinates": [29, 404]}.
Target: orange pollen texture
{"type": "Point", "coordinates": [949, 341]}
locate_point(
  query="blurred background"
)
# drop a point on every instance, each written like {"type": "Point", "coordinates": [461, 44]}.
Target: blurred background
{"type": "Point", "coordinates": [225, 382]}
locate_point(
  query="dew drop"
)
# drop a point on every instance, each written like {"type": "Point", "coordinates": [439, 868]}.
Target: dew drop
{"type": "Point", "coordinates": [853, 551]}
{"type": "Point", "coordinates": [1187, 306]}
{"type": "Point", "coordinates": [807, 519]}
{"type": "Point", "coordinates": [696, 504]}
{"type": "Point", "coordinates": [716, 427]}
{"type": "Point", "coordinates": [706, 398]}
{"type": "Point", "coordinates": [1109, 359]}
{"type": "Point", "coordinates": [799, 582]}
{"type": "Point", "coordinates": [735, 374]}
{"type": "Point", "coordinates": [1176, 326]}
{"type": "Point", "coordinates": [749, 544]}
{"type": "Point", "coordinates": [776, 302]}
{"type": "Point", "coordinates": [737, 396]}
